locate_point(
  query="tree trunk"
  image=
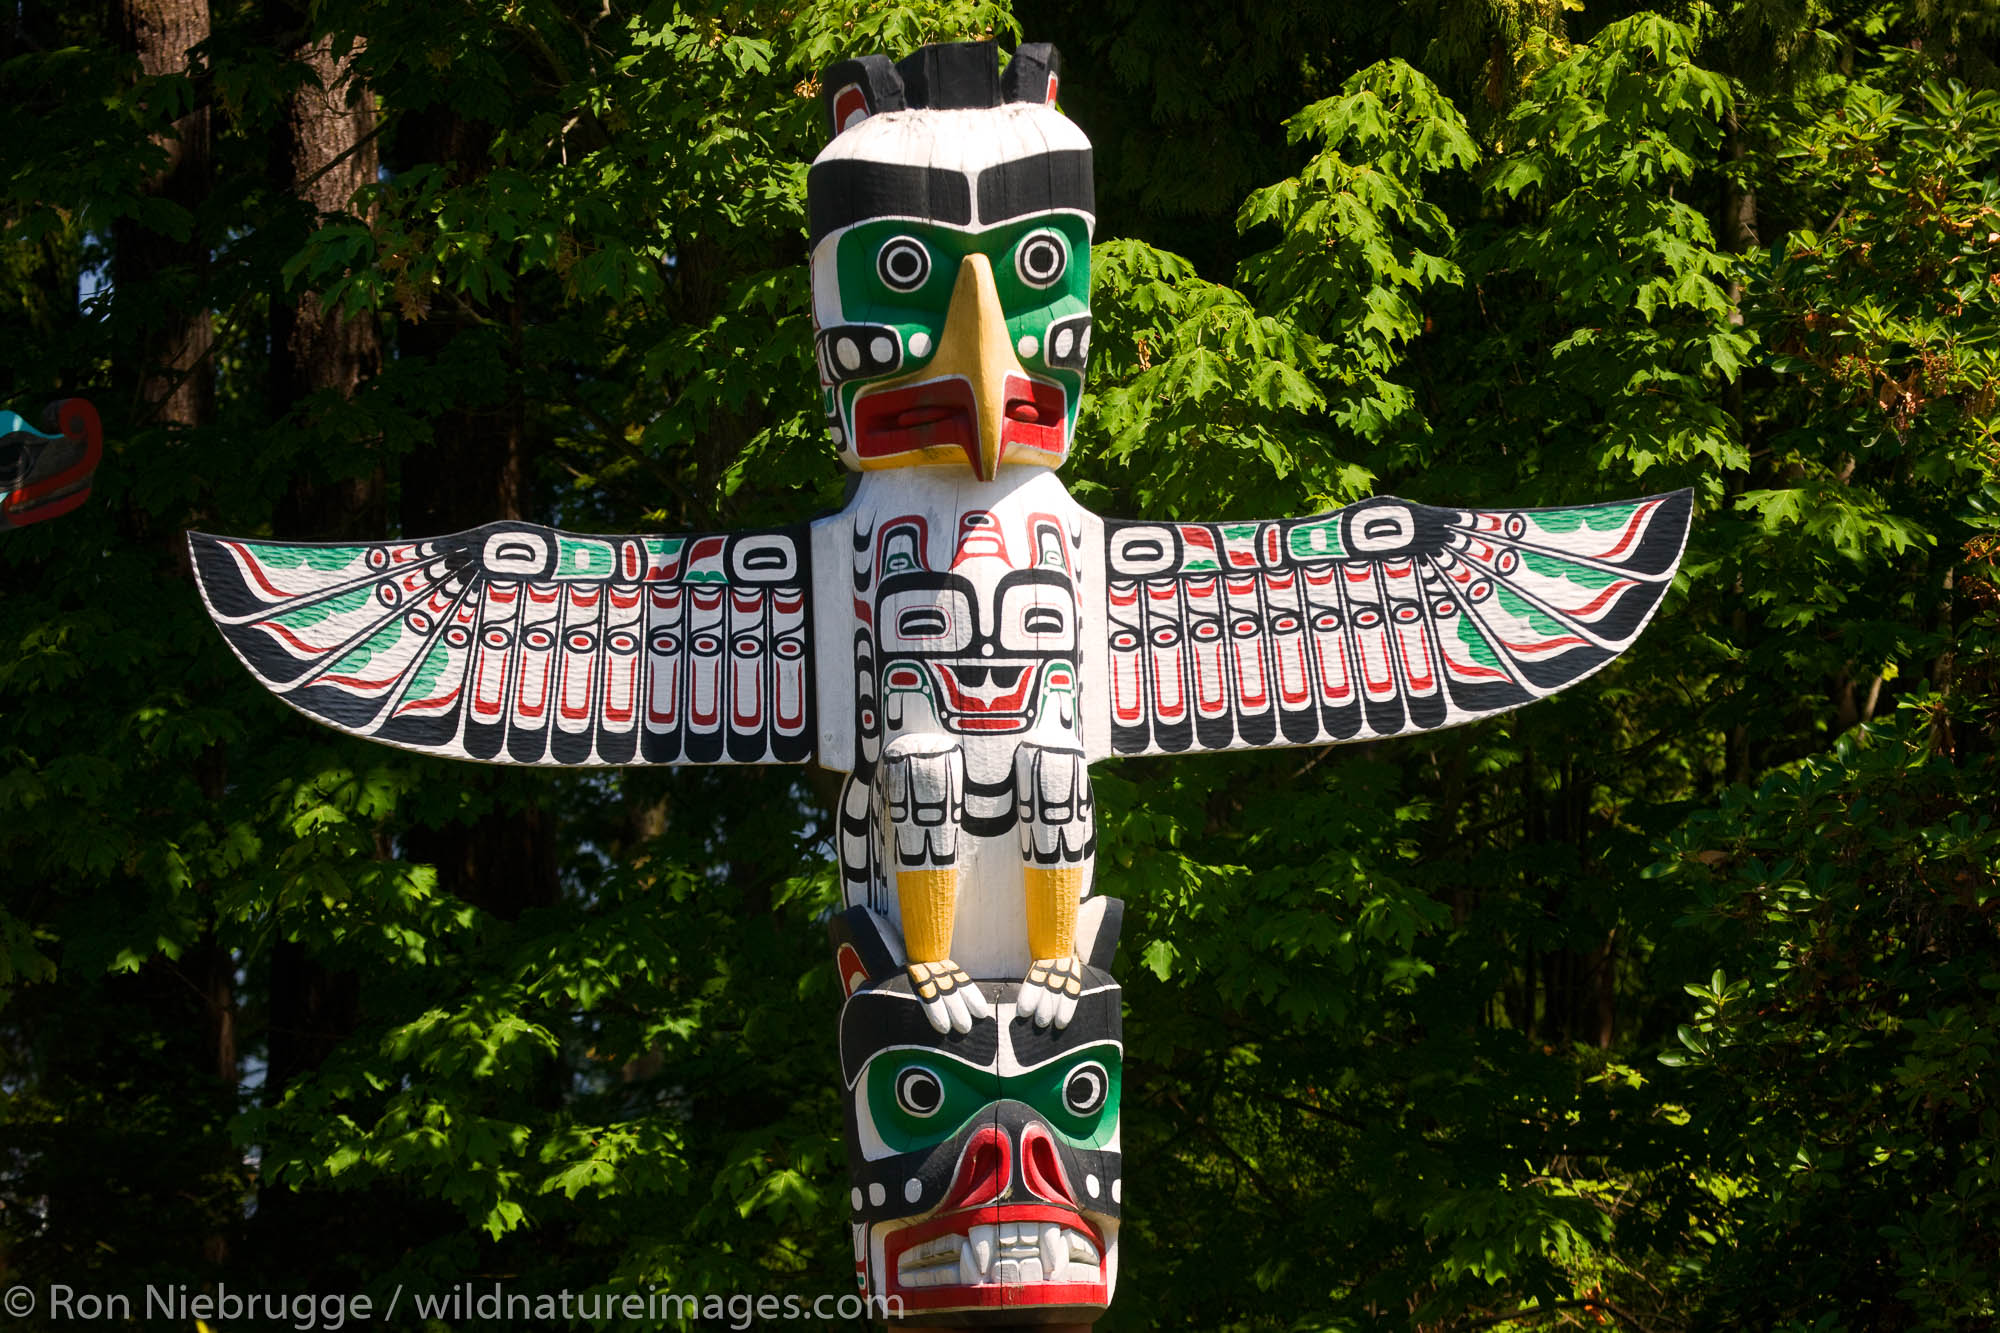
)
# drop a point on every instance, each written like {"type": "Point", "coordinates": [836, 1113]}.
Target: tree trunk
{"type": "Point", "coordinates": [169, 366]}
{"type": "Point", "coordinates": [321, 152]}
{"type": "Point", "coordinates": [320, 155]}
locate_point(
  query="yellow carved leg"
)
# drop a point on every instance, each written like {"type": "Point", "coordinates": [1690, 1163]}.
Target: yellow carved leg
{"type": "Point", "coordinates": [1055, 979]}
{"type": "Point", "coordinates": [928, 899]}
{"type": "Point", "coordinates": [1052, 896]}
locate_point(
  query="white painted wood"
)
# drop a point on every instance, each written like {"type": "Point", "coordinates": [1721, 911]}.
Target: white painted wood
{"type": "Point", "coordinates": [833, 628]}
{"type": "Point", "coordinates": [990, 930]}
{"type": "Point", "coordinates": [968, 140]}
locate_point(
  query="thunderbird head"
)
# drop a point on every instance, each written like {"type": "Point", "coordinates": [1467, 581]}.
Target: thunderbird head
{"type": "Point", "coordinates": [951, 218]}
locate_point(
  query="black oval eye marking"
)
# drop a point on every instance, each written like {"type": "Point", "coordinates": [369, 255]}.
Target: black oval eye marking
{"type": "Point", "coordinates": [1086, 1088]}
{"type": "Point", "coordinates": [857, 351]}
{"type": "Point", "coordinates": [1042, 620]}
{"type": "Point", "coordinates": [1041, 258]}
{"type": "Point", "coordinates": [903, 263]}
{"type": "Point", "coordinates": [919, 1091]}
{"type": "Point", "coordinates": [1067, 347]}
{"type": "Point", "coordinates": [925, 622]}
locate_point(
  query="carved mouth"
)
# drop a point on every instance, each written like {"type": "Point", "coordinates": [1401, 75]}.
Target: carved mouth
{"type": "Point", "coordinates": [1016, 1254]}
{"type": "Point", "coordinates": [995, 695]}
{"type": "Point", "coordinates": [1034, 416]}
{"type": "Point", "coordinates": [942, 414]}
{"type": "Point", "coordinates": [923, 416]}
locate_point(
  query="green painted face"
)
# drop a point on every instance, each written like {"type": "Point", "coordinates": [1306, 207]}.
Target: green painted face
{"type": "Point", "coordinates": [920, 1098]}
{"type": "Point", "coordinates": [896, 280]}
{"type": "Point", "coordinates": [900, 273]}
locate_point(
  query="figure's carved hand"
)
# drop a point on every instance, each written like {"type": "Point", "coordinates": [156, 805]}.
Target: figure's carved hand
{"type": "Point", "coordinates": [1050, 990]}
{"type": "Point", "coordinates": [949, 998]}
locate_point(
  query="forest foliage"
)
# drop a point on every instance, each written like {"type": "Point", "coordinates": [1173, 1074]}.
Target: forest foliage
{"type": "Point", "coordinates": [1668, 1004]}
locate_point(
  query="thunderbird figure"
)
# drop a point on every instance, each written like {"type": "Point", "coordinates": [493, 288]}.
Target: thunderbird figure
{"type": "Point", "coordinates": [962, 641]}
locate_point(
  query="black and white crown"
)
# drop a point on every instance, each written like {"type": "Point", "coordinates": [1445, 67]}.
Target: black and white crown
{"type": "Point", "coordinates": [946, 76]}
{"type": "Point", "coordinates": [943, 136]}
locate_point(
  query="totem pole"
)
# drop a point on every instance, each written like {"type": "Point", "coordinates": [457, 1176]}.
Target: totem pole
{"type": "Point", "coordinates": [43, 476]}
{"type": "Point", "coordinates": [961, 641]}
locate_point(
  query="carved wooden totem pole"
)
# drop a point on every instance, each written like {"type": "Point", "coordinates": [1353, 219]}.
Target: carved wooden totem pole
{"type": "Point", "coordinates": [42, 476]}
{"type": "Point", "coordinates": [961, 640]}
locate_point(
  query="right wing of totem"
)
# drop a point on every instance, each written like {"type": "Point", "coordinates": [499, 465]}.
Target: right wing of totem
{"type": "Point", "coordinates": [517, 644]}
{"type": "Point", "coordinates": [1382, 618]}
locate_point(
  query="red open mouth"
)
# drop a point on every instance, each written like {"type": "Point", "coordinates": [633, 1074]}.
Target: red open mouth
{"type": "Point", "coordinates": [986, 695]}
{"type": "Point", "coordinates": [977, 1252]}
{"type": "Point", "coordinates": [998, 1254]}
{"type": "Point", "coordinates": [922, 416]}
{"type": "Point", "coordinates": [942, 413]}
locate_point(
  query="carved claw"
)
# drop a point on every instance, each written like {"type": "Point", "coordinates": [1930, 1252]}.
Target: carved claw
{"type": "Point", "coordinates": [949, 998]}
{"type": "Point", "coordinates": [1050, 990]}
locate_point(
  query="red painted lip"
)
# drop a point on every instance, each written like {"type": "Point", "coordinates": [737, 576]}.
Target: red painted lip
{"type": "Point", "coordinates": [922, 416]}
{"type": "Point", "coordinates": [1013, 701]}
{"type": "Point", "coordinates": [942, 413]}
{"type": "Point", "coordinates": [993, 1293]}
{"type": "Point", "coordinates": [1034, 416]}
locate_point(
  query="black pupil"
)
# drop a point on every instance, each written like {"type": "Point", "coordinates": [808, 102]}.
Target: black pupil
{"type": "Point", "coordinates": [921, 1091]}
{"type": "Point", "coordinates": [922, 624]}
{"type": "Point", "coordinates": [904, 263]}
{"type": "Point", "coordinates": [1042, 259]}
{"type": "Point", "coordinates": [1043, 622]}
{"type": "Point", "coordinates": [1083, 1090]}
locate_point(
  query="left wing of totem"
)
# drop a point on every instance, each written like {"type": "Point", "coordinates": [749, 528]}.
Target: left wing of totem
{"type": "Point", "coordinates": [1379, 619]}
{"type": "Point", "coordinates": [518, 644]}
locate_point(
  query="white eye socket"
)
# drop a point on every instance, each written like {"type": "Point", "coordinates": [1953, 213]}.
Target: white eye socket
{"type": "Point", "coordinates": [919, 1091]}
{"type": "Point", "coordinates": [1085, 1088]}
{"type": "Point", "coordinates": [1041, 258]}
{"type": "Point", "coordinates": [903, 263]}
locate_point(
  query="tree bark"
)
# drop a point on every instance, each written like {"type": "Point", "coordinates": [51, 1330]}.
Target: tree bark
{"type": "Point", "coordinates": [322, 152]}
{"type": "Point", "coordinates": [169, 367]}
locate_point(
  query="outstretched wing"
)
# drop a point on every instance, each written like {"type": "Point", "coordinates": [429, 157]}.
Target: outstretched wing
{"type": "Point", "coordinates": [517, 644]}
{"type": "Point", "coordinates": [1381, 618]}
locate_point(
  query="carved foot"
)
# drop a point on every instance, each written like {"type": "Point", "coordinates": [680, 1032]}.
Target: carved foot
{"type": "Point", "coordinates": [949, 998]}
{"type": "Point", "coordinates": [1050, 991]}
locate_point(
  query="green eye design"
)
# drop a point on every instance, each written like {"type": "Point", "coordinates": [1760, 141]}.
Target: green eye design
{"type": "Point", "coordinates": [1041, 258]}
{"type": "Point", "coordinates": [903, 264]}
{"type": "Point", "coordinates": [1085, 1088]}
{"type": "Point", "coordinates": [919, 1092]}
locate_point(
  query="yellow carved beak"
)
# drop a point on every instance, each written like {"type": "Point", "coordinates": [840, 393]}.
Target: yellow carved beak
{"type": "Point", "coordinates": [974, 347]}
{"type": "Point", "coordinates": [975, 344]}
